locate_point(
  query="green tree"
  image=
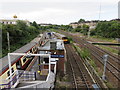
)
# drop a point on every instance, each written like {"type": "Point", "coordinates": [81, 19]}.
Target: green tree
{"type": "Point", "coordinates": [108, 29]}
{"type": "Point", "coordinates": [21, 25]}
{"type": "Point", "coordinates": [81, 21]}
{"type": "Point", "coordinates": [20, 34]}
{"type": "Point", "coordinates": [78, 29]}
{"type": "Point", "coordinates": [35, 25]}
{"type": "Point", "coordinates": [85, 29]}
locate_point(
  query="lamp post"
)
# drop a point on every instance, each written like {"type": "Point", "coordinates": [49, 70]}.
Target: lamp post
{"type": "Point", "coordinates": [10, 67]}
{"type": "Point", "coordinates": [105, 57]}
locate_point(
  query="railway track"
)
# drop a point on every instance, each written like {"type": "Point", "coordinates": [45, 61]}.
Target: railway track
{"type": "Point", "coordinates": [112, 58]}
{"type": "Point", "coordinates": [80, 78]}
{"type": "Point", "coordinates": [97, 53]}
{"type": "Point", "coordinates": [110, 66]}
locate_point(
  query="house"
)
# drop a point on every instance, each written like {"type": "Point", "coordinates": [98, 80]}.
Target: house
{"type": "Point", "coordinates": [91, 24]}
{"type": "Point", "coordinates": [13, 21]}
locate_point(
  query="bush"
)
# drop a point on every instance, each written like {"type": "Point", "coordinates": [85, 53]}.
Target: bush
{"type": "Point", "coordinates": [109, 29]}
{"type": "Point", "coordinates": [20, 34]}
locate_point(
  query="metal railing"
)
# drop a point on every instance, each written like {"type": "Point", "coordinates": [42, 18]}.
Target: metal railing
{"type": "Point", "coordinates": [7, 83]}
{"type": "Point", "coordinates": [17, 76]}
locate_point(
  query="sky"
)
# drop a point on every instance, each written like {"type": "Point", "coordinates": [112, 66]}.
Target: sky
{"type": "Point", "coordinates": [59, 11]}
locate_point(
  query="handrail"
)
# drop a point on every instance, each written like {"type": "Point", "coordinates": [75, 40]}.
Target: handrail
{"type": "Point", "coordinates": [18, 75]}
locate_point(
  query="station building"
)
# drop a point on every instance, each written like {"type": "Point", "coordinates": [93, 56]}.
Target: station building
{"type": "Point", "coordinates": [55, 47]}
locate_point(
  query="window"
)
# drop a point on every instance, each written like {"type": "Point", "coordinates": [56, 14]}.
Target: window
{"type": "Point", "coordinates": [8, 73]}
{"type": "Point", "coordinates": [12, 70]}
{"type": "Point", "coordinates": [31, 51]}
{"type": "Point", "coordinates": [46, 60]}
{"type": "Point", "coordinates": [18, 65]}
{"type": "Point", "coordinates": [24, 59]}
{"type": "Point", "coordinates": [64, 38]}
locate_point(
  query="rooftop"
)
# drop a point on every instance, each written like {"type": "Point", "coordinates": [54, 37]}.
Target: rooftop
{"type": "Point", "coordinates": [60, 44]}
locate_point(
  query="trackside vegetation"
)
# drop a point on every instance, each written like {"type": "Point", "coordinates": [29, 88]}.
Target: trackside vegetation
{"type": "Point", "coordinates": [108, 29]}
{"type": "Point", "coordinates": [20, 34]}
{"type": "Point", "coordinates": [104, 29]}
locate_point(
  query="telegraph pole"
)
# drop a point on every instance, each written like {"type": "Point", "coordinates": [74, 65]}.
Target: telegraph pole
{"type": "Point", "coordinates": [9, 62]}
{"type": "Point", "coordinates": [8, 42]}
{"type": "Point", "coordinates": [100, 11]}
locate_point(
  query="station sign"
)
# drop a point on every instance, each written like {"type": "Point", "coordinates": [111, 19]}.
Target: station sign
{"type": "Point", "coordinates": [57, 56]}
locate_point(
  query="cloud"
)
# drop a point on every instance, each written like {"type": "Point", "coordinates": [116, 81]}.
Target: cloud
{"type": "Point", "coordinates": [60, 12]}
{"type": "Point", "coordinates": [110, 1]}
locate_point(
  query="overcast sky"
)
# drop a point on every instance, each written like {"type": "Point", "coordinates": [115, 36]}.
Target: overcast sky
{"type": "Point", "coordinates": [59, 11]}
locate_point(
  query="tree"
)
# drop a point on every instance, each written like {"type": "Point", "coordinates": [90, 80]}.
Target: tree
{"type": "Point", "coordinates": [21, 25]}
{"type": "Point", "coordinates": [35, 25]}
{"type": "Point", "coordinates": [78, 29]}
{"type": "Point", "coordinates": [85, 29]}
{"type": "Point", "coordinates": [81, 21]}
{"type": "Point", "coordinates": [109, 29]}
{"type": "Point", "coordinates": [20, 34]}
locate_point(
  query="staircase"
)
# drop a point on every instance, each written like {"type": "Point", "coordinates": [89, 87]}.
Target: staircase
{"type": "Point", "coordinates": [27, 76]}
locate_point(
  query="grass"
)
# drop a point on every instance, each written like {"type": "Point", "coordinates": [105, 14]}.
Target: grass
{"type": "Point", "coordinates": [84, 53]}
{"type": "Point", "coordinates": [112, 50]}
{"type": "Point", "coordinates": [109, 85]}
{"type": "Point", "coordinates": [54, 30]}
{"type": "Point", "coordinates": [103, 39]}
{"type": "Point", "coordinates": [92, 63]}
{"type": "Point", "coordinates": [70, 39]}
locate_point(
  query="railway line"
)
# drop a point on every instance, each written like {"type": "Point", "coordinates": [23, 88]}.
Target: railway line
{"type": "Point", "coordinates": [81, 79]}
{"type": "Point", "coordinates": [110, 66]}
{"type": "Point", "coordinates": [112, 58]}
{"type": "Point", "coordinates": [97, 53]}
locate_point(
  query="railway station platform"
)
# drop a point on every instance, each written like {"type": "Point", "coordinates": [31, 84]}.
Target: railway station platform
{"type": "Point", "coordinates": [44, 75]}
{"type": "Point", "coordinates": [41, 70]}
{"type": "Point", "coordinates": [41, 77]}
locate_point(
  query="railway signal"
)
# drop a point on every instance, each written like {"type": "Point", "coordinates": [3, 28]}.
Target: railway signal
{"type": "Point", "coordinates": [105, 58]}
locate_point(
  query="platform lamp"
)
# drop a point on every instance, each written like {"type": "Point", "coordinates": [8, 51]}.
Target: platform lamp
{"type": "Point", "coordinates": [105, 58]}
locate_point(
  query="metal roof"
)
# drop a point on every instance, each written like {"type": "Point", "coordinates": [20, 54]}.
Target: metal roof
{"type": "Point", "coordinates": [60, 44]}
